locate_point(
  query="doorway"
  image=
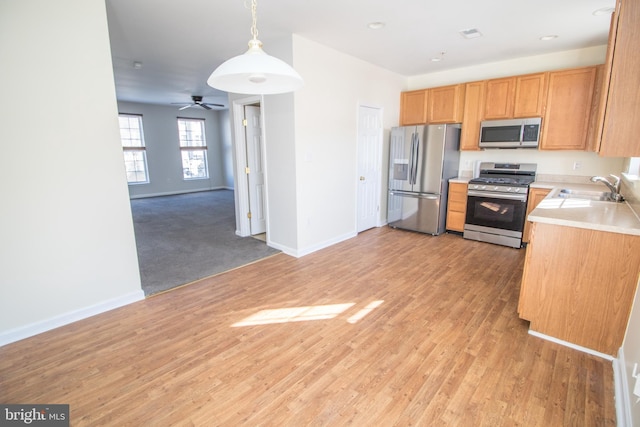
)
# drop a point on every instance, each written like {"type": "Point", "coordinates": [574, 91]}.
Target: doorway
{"type": "Point", "coordinates": [250, 172]}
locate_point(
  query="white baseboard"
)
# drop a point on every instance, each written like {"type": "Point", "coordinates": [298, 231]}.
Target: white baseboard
{"type": "Point", "coordinates": [571, 345]}
{"type": "Point", "coordinates": [621, 391]}
{"type": "Point", "coordinates": [36, 328]}
{"type": "Point", "coordinates": [297, 253]}
{"type": "Point", "coordinates": [174, 193]}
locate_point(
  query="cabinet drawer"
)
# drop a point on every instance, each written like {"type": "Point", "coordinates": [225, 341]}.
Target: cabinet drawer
{"type": "Point", "coordinates": [458, 206]}
{"type": "Point", "coordinates": [455, 221]}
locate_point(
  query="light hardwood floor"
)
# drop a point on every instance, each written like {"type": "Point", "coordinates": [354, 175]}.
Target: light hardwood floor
{"type": "Point", "coordinates": [444, 347]}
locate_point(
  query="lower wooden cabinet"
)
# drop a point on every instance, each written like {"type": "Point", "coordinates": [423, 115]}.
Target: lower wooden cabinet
{"type": "Point", "coordinates": [578, 285]}
{"type": "Point", "coordinates": [456, 206]}
{"type": "Point", "coordinates": [536, 195]}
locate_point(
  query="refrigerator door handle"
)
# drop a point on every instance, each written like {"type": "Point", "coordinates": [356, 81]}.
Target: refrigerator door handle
{"type": "Point", "coordinates": [414, 154]}
{"type": "Point", "coordinates": [411, 150]}
{"type": "Point", "coordinates": [414, 195]}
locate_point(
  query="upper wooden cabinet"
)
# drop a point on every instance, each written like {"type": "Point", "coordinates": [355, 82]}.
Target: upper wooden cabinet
{"type": "Point", "coordinates": [618, 121]}
{"type": "Point", "coordinates": [518, 96]}
{"type": "Point", "coordinates": [413, 107]}
{"type": "Point", "coordinates": [568, 109]}
{"type": "Point", "coordinates": [499, 97]}
{"type": "Point", "coordinates": [445, 104]}
{"type": "Point", "coordinates": [472, 115]}
{"type": "Point", "coordinates": [531, 93]}
{"type": "Point", "coordinates": [435, 105]}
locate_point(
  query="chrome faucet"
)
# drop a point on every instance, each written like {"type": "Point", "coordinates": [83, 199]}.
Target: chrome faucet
{"type": "Point", "coordinates": [614, 187]}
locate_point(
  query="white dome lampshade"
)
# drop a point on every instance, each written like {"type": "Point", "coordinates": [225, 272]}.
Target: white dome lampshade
{"type": "Point", "coordinates": [255, 72]}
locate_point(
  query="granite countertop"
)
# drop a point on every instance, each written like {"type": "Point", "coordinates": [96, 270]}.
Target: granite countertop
{"type": "Point", "coordinates": [584, 213]}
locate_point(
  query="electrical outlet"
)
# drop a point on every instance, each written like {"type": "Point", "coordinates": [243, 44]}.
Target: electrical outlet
{"type": "Point", "coordinates": [576, 165]}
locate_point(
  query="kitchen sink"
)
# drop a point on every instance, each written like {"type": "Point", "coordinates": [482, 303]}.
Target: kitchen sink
{"type": "Point", "coordinates": [600, 196]}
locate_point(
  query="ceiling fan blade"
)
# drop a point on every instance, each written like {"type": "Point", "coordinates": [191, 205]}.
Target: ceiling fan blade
{"type": "Point", "coordinates": [215, 105]}
{"type": "Point", "coordinates": [205, 106]}
{"type": "Point", "coordinates": [185, 107]}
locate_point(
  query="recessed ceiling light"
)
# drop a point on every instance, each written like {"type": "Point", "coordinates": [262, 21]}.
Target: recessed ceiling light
{"type": "Point", "coordinates": [603, 11]}
{"type": "Point", "coordinates": [470, 33]}
{"type": "Point", "coordinates": [137, 65]}
{"type": "Point", "coordinates": [438, 58]}
{"type": "Point", "coordinates": [549, 37]}
{"type": "Point", "coordinates": [376, 25]}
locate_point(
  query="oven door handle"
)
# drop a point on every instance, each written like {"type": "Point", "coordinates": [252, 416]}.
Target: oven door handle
{"type": "Point", "coordinates": [506, 196]}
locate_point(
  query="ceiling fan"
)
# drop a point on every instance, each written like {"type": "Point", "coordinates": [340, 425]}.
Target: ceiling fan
{"type": "Point", "coordinates": [197, 102]}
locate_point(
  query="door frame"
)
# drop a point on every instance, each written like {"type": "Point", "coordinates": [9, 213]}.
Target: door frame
{"type": "Point", "coordinates": [240, 184]}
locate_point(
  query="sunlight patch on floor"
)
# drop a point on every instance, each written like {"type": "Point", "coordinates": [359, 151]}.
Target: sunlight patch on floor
{"type": "Point", "coordinates": [306, 313]}
{"type": "Point", "coordinates": [368, 309]}
{"type": "Point", "coordinates": [294, 314]}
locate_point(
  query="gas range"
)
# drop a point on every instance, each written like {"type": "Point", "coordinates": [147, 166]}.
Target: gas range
{"type": "Point", "coordinates": [504, 177]}
{"type": "Point", "coordinates": [497, 203]}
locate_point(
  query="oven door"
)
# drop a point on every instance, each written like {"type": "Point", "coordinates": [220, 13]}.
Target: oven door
{"type": "Point", "coordinates": [503, 212]}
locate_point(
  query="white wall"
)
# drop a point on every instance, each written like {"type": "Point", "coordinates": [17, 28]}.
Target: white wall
{"type": "Point", "coordinates": [68, 247]}
{"type": "Point", "coordinates": [630, 355]}
{"type": "Point", "coordinates": [532, 64]}
{"type": "Point", "coordinates": [159, 123]}
{"type": "Point", "coordinates": [549, 162]}
{"type": "Point", "coordinates": [326, 118]}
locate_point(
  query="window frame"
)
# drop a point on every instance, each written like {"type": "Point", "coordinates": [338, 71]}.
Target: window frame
{"type": "Point", "coordinates": [141, 148]}
{"type": "Point", "coordinates": [190, 148]}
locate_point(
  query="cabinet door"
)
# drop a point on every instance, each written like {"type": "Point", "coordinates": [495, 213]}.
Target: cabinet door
{"type": "Point", "coordinates": [456, 206]}
{"type": "Point", "coordinates": [536, 195]}
{"type": "Point", "coordinates": [578, 285]}
{"type": "Point", "coordinates": [531, 92]}
{"type": "Point", "coordinates": [566, 121]}
{"type": "Point", "coordinates": [499, 97]}
{"type": "Point", "coordinates": [413, 107]}
{"type": "Point", "coordinates": [620, 115]}
{"type": "Point", "coordinates": [472, 115]}
{"type": "Point", "coordinates": [445, 104]}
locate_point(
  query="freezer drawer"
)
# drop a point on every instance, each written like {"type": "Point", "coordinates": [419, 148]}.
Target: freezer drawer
{"type": "Point", "coordinates": [417, 212]}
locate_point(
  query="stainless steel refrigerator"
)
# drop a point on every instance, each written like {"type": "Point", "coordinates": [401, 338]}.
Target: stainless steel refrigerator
{"type": "Point", "coordinates": [422, 159]}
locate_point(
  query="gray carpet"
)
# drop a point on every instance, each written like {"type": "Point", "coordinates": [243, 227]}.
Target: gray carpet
{"type": "Point", "coordinates": [187, 237]}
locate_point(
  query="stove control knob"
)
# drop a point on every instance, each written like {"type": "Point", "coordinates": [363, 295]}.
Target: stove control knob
{"type": "Point", "coordinates": [509, 189]}
{"type": "Point", "coordinates": [517, 190]}
{"type": "Point", "coordinates": [484, 187]}
{"type": "Point", "coordinates": [496, 188]}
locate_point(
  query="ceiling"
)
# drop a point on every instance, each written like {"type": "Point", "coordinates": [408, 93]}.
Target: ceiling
{"type": "Point", "coordinates": [180, 42]}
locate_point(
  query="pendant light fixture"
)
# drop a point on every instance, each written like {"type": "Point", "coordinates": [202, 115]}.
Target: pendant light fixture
{"type": "Point", "coordinates": [255, 72]}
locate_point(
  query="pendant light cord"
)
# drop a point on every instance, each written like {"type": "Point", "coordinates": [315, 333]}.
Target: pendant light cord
{"type": "Point", "coordinates": [254, 19]}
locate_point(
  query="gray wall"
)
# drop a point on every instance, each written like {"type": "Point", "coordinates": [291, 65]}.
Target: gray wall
{"type": "Point", "coordinates": [163, 154]}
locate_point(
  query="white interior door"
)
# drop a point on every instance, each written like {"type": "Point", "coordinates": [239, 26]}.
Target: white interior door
{"type": "Point", "coordinates": [255, 171]}
{"type": "Point", "coordinates": [369, 166]}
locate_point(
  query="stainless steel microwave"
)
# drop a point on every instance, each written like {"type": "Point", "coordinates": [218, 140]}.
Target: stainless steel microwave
{"type": "Point", "coordinates": [515, 133]}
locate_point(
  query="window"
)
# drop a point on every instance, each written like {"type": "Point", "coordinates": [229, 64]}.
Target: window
{"type": "Point", "coordinates": [135, 155]}
{"type": "Point", "coordinates": [193, 148]}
